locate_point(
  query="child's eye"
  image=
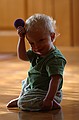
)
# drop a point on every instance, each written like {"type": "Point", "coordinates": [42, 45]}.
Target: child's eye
{"type": "Point", "coordinates": [41, 40]}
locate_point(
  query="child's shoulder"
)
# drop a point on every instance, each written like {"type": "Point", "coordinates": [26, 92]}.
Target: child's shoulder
{"type": "Point", "coordinates": [55, 55]}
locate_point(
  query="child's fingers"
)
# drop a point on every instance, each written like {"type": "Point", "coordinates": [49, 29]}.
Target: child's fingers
{"type": "Point", "coordinates": [21, 31]}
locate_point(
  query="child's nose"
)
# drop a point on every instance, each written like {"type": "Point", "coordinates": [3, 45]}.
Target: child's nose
{"type": "Point", "coordinates": [36, 47]}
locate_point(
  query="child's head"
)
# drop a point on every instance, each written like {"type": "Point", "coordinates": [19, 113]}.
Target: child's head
{"type": "Point", "coordinates": [40, 32]}
{"type": "Point", "coordinates": [41, 22]}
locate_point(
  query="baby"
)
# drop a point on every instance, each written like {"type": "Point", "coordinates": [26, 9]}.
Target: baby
{"type": "Point", "coordinates": [42, 89]}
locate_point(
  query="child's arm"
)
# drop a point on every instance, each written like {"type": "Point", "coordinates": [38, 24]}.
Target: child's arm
{"type": "Point", "coordinates": [21, 48]}
{"type": "Point", "coordinates": [49, 98]}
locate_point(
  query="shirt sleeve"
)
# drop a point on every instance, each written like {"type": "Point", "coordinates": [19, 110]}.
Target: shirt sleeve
{"type": "Point", "coordinates": [55, 66]}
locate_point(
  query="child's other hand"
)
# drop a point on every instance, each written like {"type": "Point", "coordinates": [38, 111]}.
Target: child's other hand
{"type": "Point", "coordinates": [21, 31]}
{"type": "Point", "coordinates": [47, 105]}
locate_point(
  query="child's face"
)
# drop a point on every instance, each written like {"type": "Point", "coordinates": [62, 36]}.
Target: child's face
{"type": "Point", "coordinates": [41, 43]}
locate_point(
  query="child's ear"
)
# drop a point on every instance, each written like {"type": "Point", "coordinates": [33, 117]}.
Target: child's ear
{"type": "Point", "coordinates": [52, 36]}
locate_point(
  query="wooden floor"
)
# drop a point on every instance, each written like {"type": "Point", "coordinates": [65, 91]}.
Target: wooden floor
{"type": "Point", "coordinates": [13, 71]}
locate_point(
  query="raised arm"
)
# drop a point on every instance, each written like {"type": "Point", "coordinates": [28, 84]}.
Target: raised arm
{"type": "Point", "coordinates": [21, 48]}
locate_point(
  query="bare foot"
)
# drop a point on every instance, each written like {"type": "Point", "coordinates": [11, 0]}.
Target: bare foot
{"type": "Point", "coordinates": [13, 103]}
{"type": "Point", "coordinates": [56, 105]}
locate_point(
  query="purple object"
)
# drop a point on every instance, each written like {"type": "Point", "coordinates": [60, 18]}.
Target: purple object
{"type": "Point", "coordinates": [19, 22]}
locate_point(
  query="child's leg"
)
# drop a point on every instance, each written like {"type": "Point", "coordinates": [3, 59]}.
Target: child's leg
{"type": "Point", "coordinates": [31, 100]}
{"type": "Point", "coordinates": [13, 103]}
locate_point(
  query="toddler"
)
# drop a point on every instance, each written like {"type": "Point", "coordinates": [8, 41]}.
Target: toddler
{"type": "Point", "coordinates": [42, 89]}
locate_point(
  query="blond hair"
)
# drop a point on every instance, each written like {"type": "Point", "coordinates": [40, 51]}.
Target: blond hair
{"type": "Point", "coordinates": [43, 22]}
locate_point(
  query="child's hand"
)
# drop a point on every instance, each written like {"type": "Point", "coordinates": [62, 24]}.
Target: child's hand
{"type": "Point", "coordinates": [21, 31]}
{"type": "Point", "coordinates": [47, 105]}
